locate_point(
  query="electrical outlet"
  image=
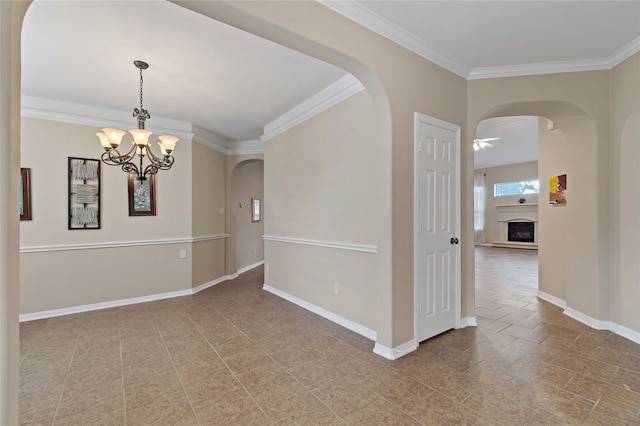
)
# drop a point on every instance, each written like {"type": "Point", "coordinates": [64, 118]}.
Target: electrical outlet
{"type": "Point", "coordinates": [336, 289]}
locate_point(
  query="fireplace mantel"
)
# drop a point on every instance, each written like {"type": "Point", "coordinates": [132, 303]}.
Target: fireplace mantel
{"type": "Point", "coordinates": [511, 212]}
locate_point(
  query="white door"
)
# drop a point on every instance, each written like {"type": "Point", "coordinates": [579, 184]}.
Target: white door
{"type": "Point", "coordinates": [436, 223]}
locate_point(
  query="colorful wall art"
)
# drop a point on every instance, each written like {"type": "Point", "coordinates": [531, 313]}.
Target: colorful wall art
{"type": "Point", "coordinates": [558, 189]}
{"type": "Point", "coordinates": [142, 196]}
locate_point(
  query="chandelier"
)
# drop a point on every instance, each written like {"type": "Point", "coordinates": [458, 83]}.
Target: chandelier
{"type": "Point", "coordinates": [111, 138]}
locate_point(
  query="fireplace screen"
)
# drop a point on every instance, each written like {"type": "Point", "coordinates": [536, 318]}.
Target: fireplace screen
{"type": "Point", "coordinates": [521, 232]}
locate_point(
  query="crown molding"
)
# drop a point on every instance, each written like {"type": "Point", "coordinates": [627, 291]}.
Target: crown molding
{"type": "Point", "coordinates": [539, 68]}
{"type": "Point", "coordinates": [210, 139]}
{"type": "Point", "coordinates": [391, 31]}
{"type": "Point", "coordinates": [247, 147]}
{"type": "Point", "coordinates": [68, 112]}
{"type": "Point", "coordinates": [342, 89]}
{"type": "Point", "coordinates": [363, 16]}
{"type": "Point", "coordinates": [625, 53]}
{"type": "Point", "coordinates": [559, 66]}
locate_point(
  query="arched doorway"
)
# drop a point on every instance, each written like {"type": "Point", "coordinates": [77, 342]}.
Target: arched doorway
{"type": "Point", "coordinates": [245, 248]}
{"type": "Point", "coordinates": [570, 244]}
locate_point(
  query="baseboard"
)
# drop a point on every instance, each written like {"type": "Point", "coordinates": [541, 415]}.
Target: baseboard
{"type": "Point", "coordinates": [625, 332]}
{"type": "Point", "coordinates": [348, 324]}
{"type": "Point", "coordinates": [104, 305]}
{"type": "Point", "coordinates": [468, 322]}
{"type": "Point", "coordinates": [552, 299]}
{"type": "Point", "coordinates": [116, 303]}
{"type": "Point", "coordinates": [397, 352]}
{"type": "Point", "coordinates": [586, 319]}
{"type": "Point", "coordinates": [248, 268]}
{"type": "Point", "coordinates": [620, 330]}
{"type": "Point", "coordinates": [124, 302]}
{"type": "Point", "coordinates": [209, 284]}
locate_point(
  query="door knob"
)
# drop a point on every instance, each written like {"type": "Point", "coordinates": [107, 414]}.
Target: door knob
{"type": "Point", "coordinates": [454, 240]}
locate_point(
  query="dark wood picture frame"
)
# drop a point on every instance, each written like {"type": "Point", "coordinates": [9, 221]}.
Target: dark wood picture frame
{"type": "Point", "coordinates": [25, 194]}
{"type": "Point", "coordinates": [84, 193]}
{"type": "Point", "coordinates": [142, 196]}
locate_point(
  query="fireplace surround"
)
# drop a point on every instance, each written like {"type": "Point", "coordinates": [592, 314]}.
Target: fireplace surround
{"type": "Point", "coordinates": [517, 213]}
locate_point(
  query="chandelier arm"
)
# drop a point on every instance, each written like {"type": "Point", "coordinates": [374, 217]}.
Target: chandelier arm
{"type": "Point", "coordinates": [130, 168]}
{"type": "Point", "coordinates": [113, 158]}
{"type": "Point", "coordinates": [162, 163]}
{"type": "Point", "coordinates": [151, 169]}
{"type": "Point", "coordinates": [152, 156]}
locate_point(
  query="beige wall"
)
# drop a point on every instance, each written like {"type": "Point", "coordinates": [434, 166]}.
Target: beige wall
{"type": "Point", "coordinates": [46, 145]}
{"type": "Point", "coordinates": [553, 239]}
{"type": "Point", "coordinates": [11, 16]}
{"type": "Point", "coordinates": [208, 192]}
{"type": "Point", "coordinates": [400, 83]}
{"type": "Point", "coordinates": [55, 277]}
{"type": "Point", "coordinates": [247, 182]}
{"type": "Point", "coordinates": [320, 186]}
{"type": "Point", "coordinates": [508, 173]}
{"type": "Point", "coordinates": [625, 199]}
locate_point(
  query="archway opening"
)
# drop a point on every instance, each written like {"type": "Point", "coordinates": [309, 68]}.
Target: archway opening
{"type": "Point", "coordinates": [567, 148]}
{"type": "Point", "coordinates": [245, 248]}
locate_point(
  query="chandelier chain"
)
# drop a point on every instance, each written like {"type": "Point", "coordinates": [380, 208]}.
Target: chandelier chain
{"type": "Point", "coordinates": [141, 82]}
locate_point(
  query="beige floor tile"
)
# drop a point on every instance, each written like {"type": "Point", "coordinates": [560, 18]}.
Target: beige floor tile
{"type": "Point", "coordinates": [162, 411]}
{"type": "Point", "coordinates": [233, 408]}
{"type": "Point", "coordinates": [603, 416]}
{"type": "Point", "coordinates": [380, 412]}
{"type": "Point", "coordinates": [626, 379]}
{"type": "Point", "coordinates": [345, 398]}
{"type": "Point", "coordinates": [595, 369]}
{"type": "Point", "coordinates": [236, 355]}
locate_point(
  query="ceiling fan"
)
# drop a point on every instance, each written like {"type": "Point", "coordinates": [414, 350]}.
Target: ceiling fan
{"type": "Point", "coordinates": [479, 144]}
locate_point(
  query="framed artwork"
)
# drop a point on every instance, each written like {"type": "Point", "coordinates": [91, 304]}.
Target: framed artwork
{"type": "Point", "coordinates": [25, 194]}
{"type": "Point", "coordinates": [142, 196]}
{"type": "Point", "coordinates": [558, 189]}
{"type": "Point", "coordinates": [84, 193]}
{"type": "Point", "coordinates": [256, 210]}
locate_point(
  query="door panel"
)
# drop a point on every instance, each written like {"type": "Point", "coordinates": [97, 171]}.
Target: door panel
{"type": "Point", "coordinates": [437, 219]}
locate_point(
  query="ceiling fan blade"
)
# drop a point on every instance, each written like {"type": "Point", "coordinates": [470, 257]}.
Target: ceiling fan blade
{"type": "Point", "coordinates": [486, 140]}
{"type": "Point", "coordinates": [478, 145]}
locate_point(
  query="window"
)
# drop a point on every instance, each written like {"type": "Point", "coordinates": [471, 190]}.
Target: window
{"type": "Point", "coordinates": [515, 188]}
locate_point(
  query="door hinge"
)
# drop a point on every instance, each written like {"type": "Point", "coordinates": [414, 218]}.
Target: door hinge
{"type": "Point", "coordinates": [419, 308]}
{"type": "Point", "coordinates": [420, 145]}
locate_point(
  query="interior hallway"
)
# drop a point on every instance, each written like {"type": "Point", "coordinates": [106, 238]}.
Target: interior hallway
{"type": "Point", "coordinates": [235, 354]}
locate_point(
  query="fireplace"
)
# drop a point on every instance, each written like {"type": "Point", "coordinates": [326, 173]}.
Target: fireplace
{"type": "Point", "coordinates": [519, 215]}
{"type": "Point", "coordinates": [522, 232]}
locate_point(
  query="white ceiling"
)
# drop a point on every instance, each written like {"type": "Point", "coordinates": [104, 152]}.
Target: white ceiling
{"type": "Point", "coordinates": [517, 141]}
{"type": "Point", "coordinates": [233, 83]}
{"type": "Point", "coordinates": [222, 79]}
{"type": "Point", "coordinates": [492, 38]}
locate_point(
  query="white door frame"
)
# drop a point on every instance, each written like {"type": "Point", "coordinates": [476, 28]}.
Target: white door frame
{"type": "Point", "coordinates": [418, 119]}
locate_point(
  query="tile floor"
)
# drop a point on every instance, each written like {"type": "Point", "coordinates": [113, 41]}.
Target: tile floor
{"type": "Point", "coordinates": [236, 355]}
